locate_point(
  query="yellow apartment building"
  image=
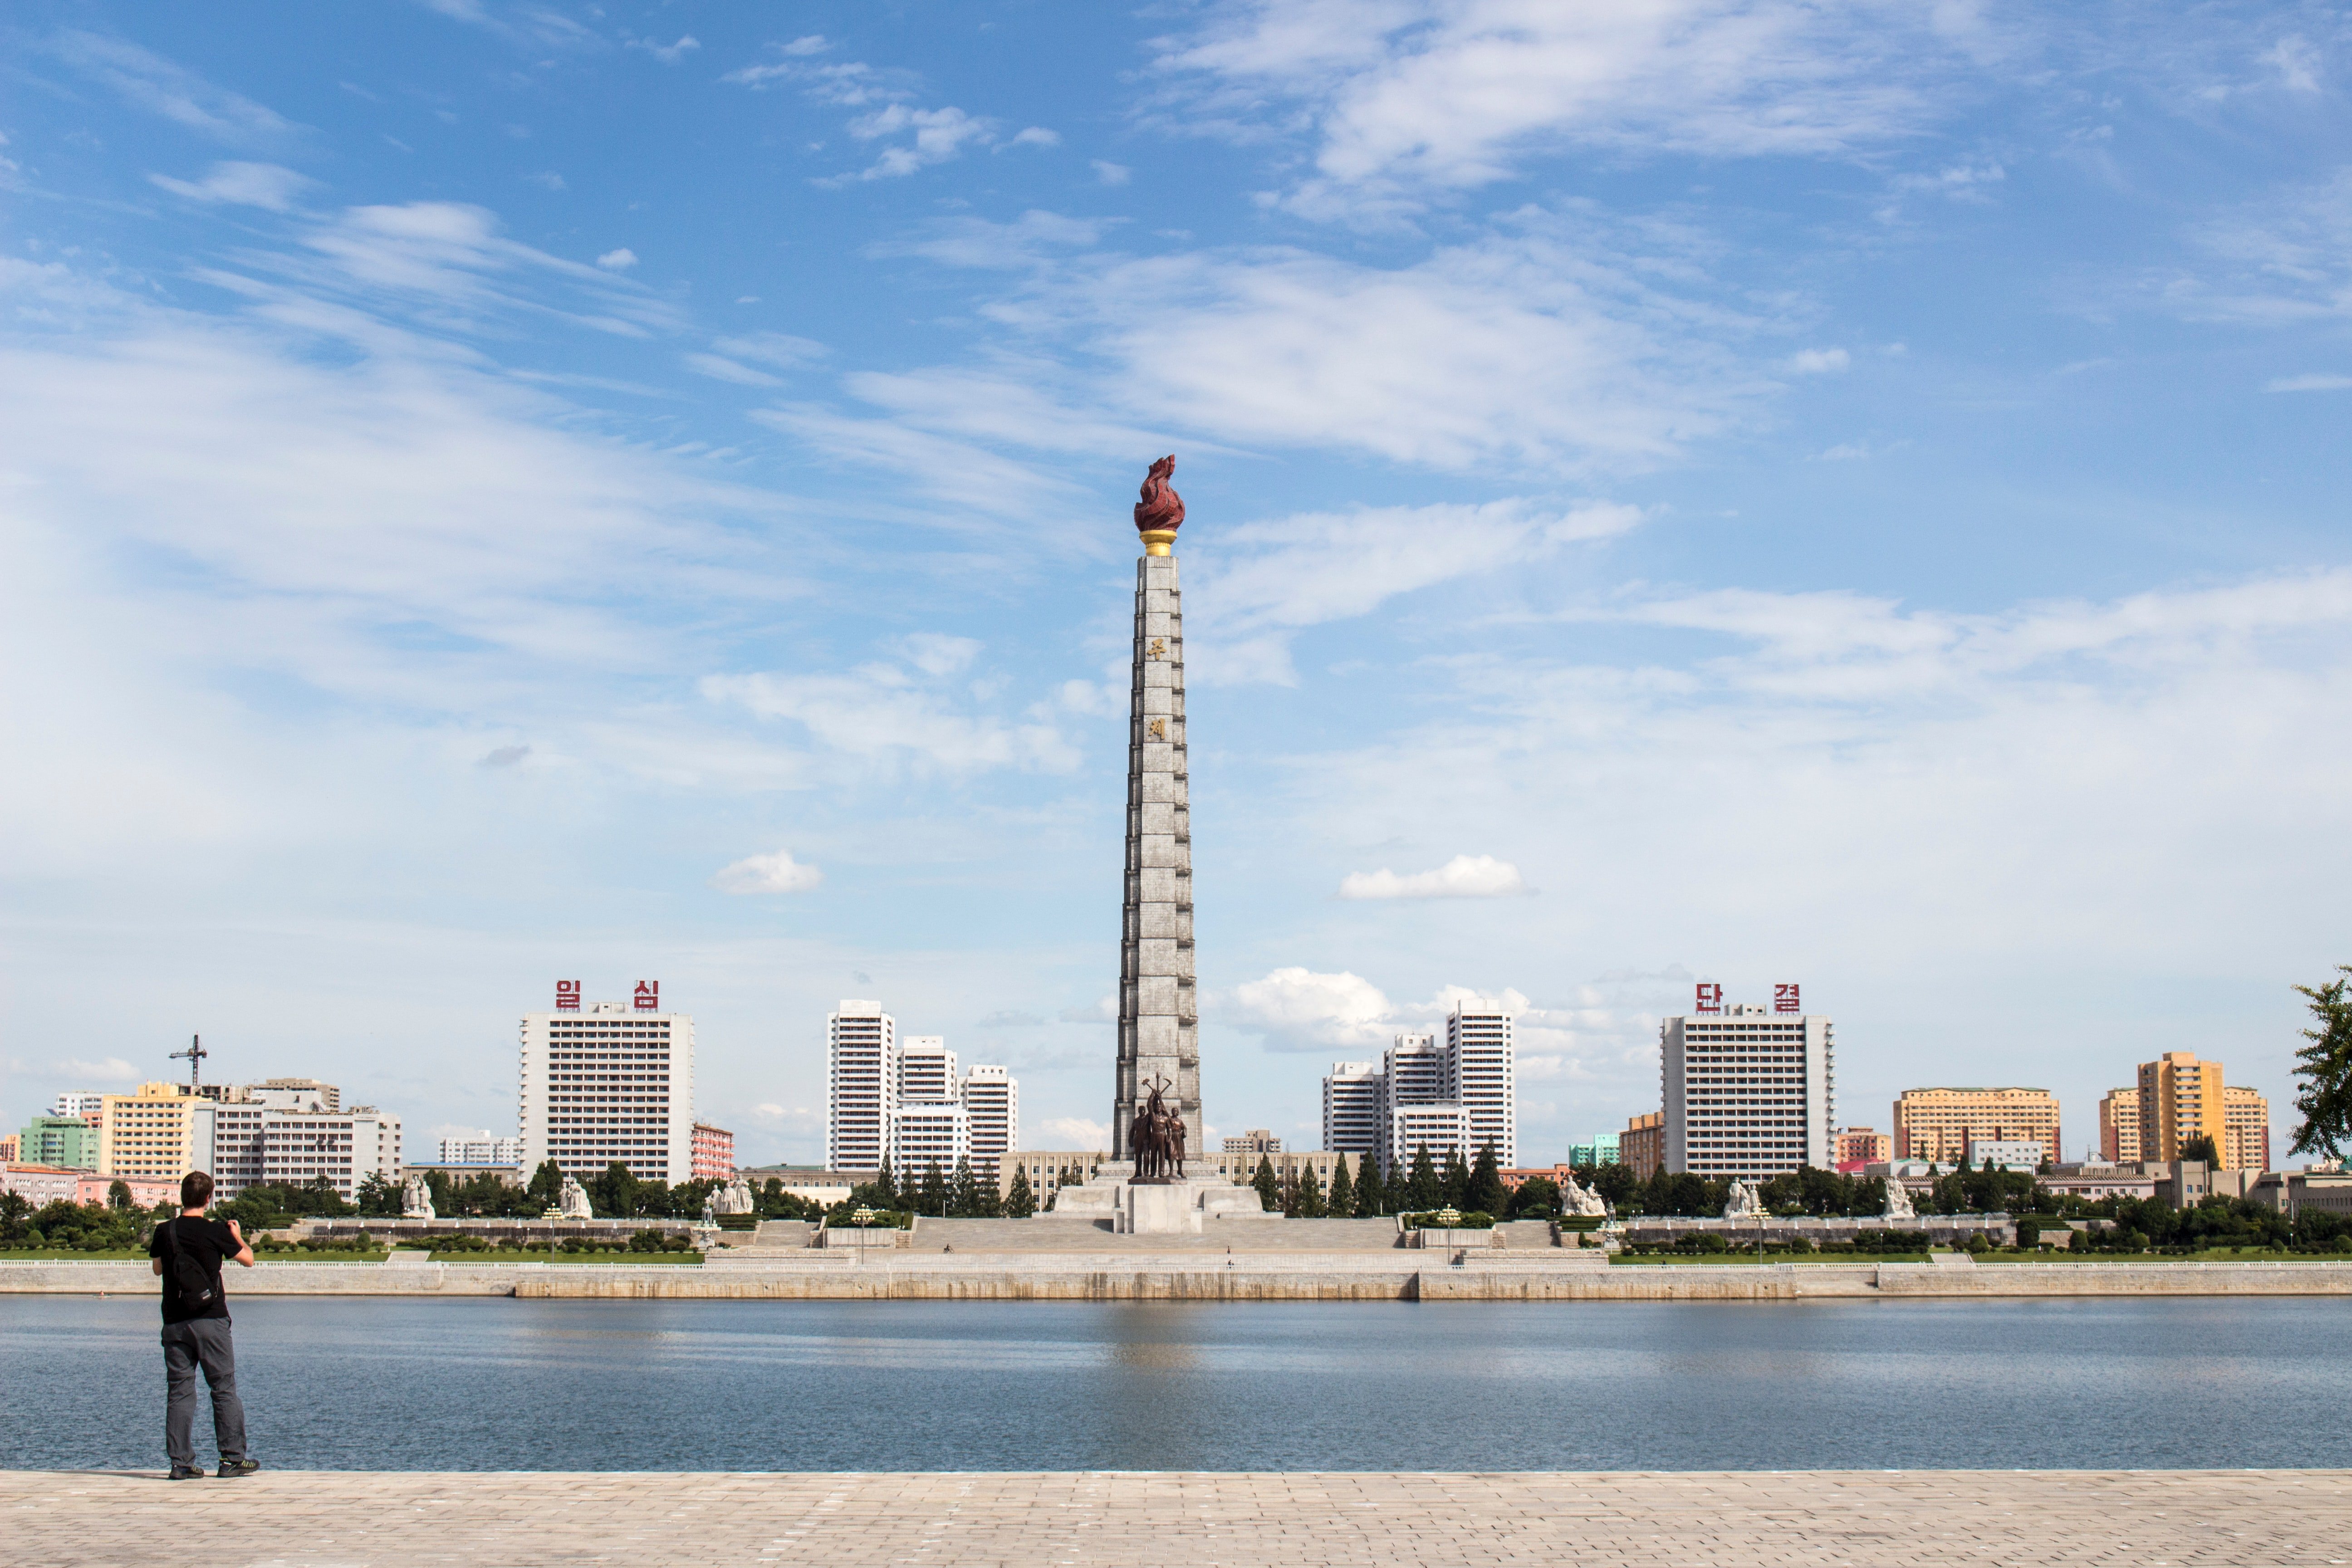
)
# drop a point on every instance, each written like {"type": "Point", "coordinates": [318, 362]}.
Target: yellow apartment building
{"type": "Point", "coordinates": [2246, 1120]}
{"type": "Point", "coordinates": [151, 1134]}
{"type": "Point", "coordinates": [2119, 1127]}
{"type": "Point", "coordinates": [1937, 1123]}
{"type": "Point", "coordinates": [2179, 1098]}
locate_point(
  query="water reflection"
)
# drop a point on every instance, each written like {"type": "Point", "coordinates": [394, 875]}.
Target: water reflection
{"type": "Point", "coordinates": [1071, 1385]}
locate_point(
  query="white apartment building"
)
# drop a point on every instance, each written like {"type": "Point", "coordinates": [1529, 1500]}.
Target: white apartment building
{"type": "Point", "coordinates": [251, 1143]}
{"type": "Point", "coordinates": [861, 1085]}
{"type": "Point", "coordinates": [927, 1069]}
{"type": "Point", "coordinates": [928, 1132]}
{"type": "Point", "coordinates": [1748, 1092]}
{"type": "Point", "coordinates": [991, 1109]}
{"type": "Point", "coordinates": [1452, 1095]}
{"type": "Point", "coordinates": [484, 1150]}
{"type": "Point", "coordinates": [1353, 1111]}
{"type": "Point", "coordinates": [1483, 1076]}
{"type": "Point", "coordinates": [90, 1108]}
{"type": "Point", "coordinates": [608, 1083]}
{"type": "Point", "coordinates": [294, 1094]}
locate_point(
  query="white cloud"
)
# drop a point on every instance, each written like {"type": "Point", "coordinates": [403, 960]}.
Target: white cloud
{"type": "Point", "coordinates": [1037, 136]}
{"type": "Point", "coordinates": [776, 872]}
{"type": "Point", "coordinates": [270, 186]}
{"type": "Point", "coordinates": [1274, 577]}
{"type": "Point", "coordinates": [1463, 877]}
{"type": "Point", "coordinates": [165, 88]}
{"type": "Point", "coordinates": [780, 350]}
{"type": "Point", "coordinates": [2320, 381]}
{"type": "Point", "coordinates": [1817, 362]}
{"type": "Point", "coordinates": [935, 653]}
{"type": "Point", "coordinates": [2297, 61]}
{"type": "Point", "coordinates": [1108, 172]}
{"type": "Point", "coordinates": [619, 260]}
{"type": "Point", "coordinates": [1404, 96]}
{"type": "Point", "coordinates": [1296, 1009]}
{"type": "Point", "coordinates": [111, 1069]}
{"type": "Point", "coordinates": [878, 719]}
{"type": "Point", "coordinates": [2280, 261]}
{"type": "Point", "coordinates": [1077, 1132]}
{"type": "Point", "coordinates": [940, 136]}
{"type": "Point", "coordinates": [669, 54]}
{"type": "Point", "coordinates": [720, 368]}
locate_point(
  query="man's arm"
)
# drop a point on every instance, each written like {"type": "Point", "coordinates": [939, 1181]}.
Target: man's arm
{"type": "Point", "coordinates": [243, 1247]}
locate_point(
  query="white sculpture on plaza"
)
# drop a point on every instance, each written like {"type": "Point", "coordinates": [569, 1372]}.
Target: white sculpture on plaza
{"type": "Point", "coordinates": [1898, 1200]}
{"type": "Point", "coordinates": [1742, 1202]}
{"type": "Point", "coordinates": [573, 1200]}
{"type": "Point", "coordinates": [417, 1197]}
{"type": "Point", "coordinates": [735, 1197]}
{"type": "Point", "coordinates": [1578, 1200]}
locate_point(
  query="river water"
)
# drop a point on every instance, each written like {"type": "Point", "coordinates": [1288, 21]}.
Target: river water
{"type": "Point", "coordinates": [479, 1385]}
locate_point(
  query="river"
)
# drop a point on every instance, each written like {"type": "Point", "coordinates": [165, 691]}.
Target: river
{"type": "Point", "coordinates": [480, 1384]}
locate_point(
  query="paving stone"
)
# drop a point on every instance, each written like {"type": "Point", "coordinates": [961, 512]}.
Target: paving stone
{"type": "Point", "coordinates": [1921, 1519]}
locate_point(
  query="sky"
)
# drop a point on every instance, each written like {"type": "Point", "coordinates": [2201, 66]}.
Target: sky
{"type": "Point", "coordinates": [1841, 493]}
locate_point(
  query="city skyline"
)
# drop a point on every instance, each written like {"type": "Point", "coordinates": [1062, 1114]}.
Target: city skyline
{"type": "Point", "coordinates": [646, 492]}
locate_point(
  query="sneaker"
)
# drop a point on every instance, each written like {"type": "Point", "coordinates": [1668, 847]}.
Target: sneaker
{"type": "Point", "coordinates": [187, 1473]}
{"type": "Point", "coordinates": [237, 1466]}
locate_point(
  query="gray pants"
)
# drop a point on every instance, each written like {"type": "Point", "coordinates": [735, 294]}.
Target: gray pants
{"type": "Point", "coordinates": [201, 1341]}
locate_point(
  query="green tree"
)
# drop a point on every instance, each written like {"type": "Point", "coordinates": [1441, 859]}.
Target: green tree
{"type": "Point", "coordinates": [933, 1197]}
{"type": "Point", "coordinates": [1615, 1183]}
{"type": "Point", "coordinates": [1341, 1204]}
{"type": "Point", "coordinates": [118, 1195]}
{"type": "Point", "coordinates": [614, 1192]}
{"type": "Point", "coordinates": [378, 1196]}
{"type": "Point", "coordinates": [546, 1187]}
{"type": "Point", "coordinates": [1020, 1203]}
{"type": "Point", "coordinates": [2325, 1099]}
{"type": "Point", "coordinates": [1268, 1186]}
{"type": "Point", "coordinates": [1309, 1204]}
{"type": "Point", "coordinates": [1371, 1188]}
{"type": "Point", "coordinates": [2201, 1147]}
{"type": "Point", "coordinates": [1456, 1180]}
{"type": "Point", "coordinates": [971, 1201]}
{"type": "Point", "coordinates": [1485, 1191]}
{"type": "Point", "coordinates": [889, 1184]}
{"type": "Point", "coordinates": [1424, 1188]}
{"type": "Point", "coordinates": [1538, 1197]}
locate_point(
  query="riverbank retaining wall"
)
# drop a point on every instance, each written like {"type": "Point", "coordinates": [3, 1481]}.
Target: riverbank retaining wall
{"type": "Point", "coordinates": [1301, 1278]}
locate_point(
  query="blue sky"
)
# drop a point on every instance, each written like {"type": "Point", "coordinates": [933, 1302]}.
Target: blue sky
{"type": "Point", "coordinates": [1851, 493]}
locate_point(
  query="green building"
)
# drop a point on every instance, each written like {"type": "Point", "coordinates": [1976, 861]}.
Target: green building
{"type": "Point", "coordinates": [67, 1140]}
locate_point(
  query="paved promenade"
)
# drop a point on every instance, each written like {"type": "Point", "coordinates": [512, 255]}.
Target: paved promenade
{"type": "Point", "coordinates": [1919, 1519]}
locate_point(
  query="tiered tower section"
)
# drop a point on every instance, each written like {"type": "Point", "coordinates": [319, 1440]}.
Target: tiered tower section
{"type": "Point", "coordinates": [1159, 1015]}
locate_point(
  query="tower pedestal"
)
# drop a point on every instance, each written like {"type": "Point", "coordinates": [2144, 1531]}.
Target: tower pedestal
{"type": "Point", "coordinates": [1158, 1208]}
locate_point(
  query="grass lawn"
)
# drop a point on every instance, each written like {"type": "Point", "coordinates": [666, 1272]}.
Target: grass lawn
{"type": "Point", "coordinates": [1727, 1257]}
{"type": "Point", "coordinates": [675, 1260]}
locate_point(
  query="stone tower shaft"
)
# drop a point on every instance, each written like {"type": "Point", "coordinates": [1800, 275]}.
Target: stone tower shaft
{"type": "Point", "coordinates": [1159, 1015]}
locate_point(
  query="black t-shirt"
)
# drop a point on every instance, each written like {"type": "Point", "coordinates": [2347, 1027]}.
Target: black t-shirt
{"type": "Point", "coordinates": [208, 1241]}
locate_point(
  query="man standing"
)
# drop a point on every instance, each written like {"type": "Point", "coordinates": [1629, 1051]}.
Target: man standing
{"type": "Point", "coordinates": [188, 1252]}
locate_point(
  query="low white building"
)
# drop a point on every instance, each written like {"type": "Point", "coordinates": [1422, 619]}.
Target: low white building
{"type": "Point", "coordinates": [2006, 1154]}
{"type": "Point", "coordinates": [484, 1150]}
{"type": "Point", "coordinates": [1442, 1128]}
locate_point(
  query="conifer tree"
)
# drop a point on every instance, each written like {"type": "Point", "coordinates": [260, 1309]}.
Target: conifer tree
{"type": "Point", "coordinates": [1423, 1189]}
{"type": "Point", "coordinates": [1269, 1188]}
{"type": "Point", "coordinates": [963, 1191]}
{"type": "Point", "coordinates": [932, 1197]}
{"type": "Point", "coordinates": [1486, 1193]}
{"type": "Point", "coordinates": [1371, 1188]}
{"type": "Point", "coordinates": [1341, 1204]}
{"type": "Point", "coordinates": [1456, 1180]}
{"type": "Point", "coordinates": [888, 1184]}
{"type": "Point", "coordinates": [1020, 1203]}
{"type": "Point", "coordinates": [1311, 1194]}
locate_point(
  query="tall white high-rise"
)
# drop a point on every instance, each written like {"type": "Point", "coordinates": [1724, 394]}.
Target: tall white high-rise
{"type": "Point", "coordinates": [1483, 1078]}
{"type": "Point", "coordinates": [1353, 1115]}
{"type": "Point", "coordinates": [1451, 1097]}
{"type": "Point", "coordinates": [609, 1083]}
{"type": "Point", "coordinates": [927, 1069]}
{"type": "Point", "coordinates": [861, 1085]}
{"type": "Point", "coordinates": [928, 1126]}
{"type": "Point", "coordinates": [1748, 1092]}
{"type": "Point", "coordinates": [991, 1108]}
